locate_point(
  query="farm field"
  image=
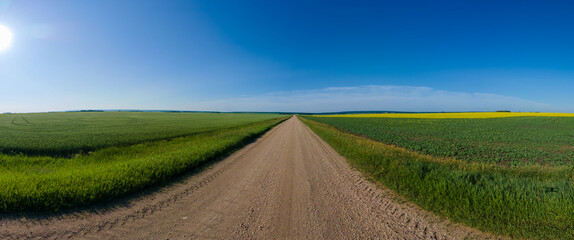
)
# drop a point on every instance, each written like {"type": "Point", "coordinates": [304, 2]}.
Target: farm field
{"type": "Point", "coordinates": [509, 176]}
{"type": "Point", "coordinates": [129, 152]}
{"type": "Point", "coordinates": [65, 134]}
{"type": "Point", "coordinates": [506, 141]}
{"type": "Point", "coordinates": [472, 115]}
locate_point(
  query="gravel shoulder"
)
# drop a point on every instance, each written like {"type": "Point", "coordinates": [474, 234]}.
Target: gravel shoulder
{"type": "Point", "coordinates": [289, 184]}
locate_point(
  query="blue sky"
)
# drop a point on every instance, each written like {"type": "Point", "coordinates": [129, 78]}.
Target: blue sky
{"type": "Point", "coordinates": [262, 55]}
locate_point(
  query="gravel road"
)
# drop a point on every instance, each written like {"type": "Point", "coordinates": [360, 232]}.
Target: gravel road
{"type": "Point", "coordinates": [289, 184]}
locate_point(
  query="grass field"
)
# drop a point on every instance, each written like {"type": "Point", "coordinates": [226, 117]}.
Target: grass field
{"type": "Point", "coordinates": [66, 134]}
{"type": "Point", "coordinates": [521, 202]}
{"type": "Point", "coordinates": [140, 160]}
{"type": "Point", "coordinates": [525, 201]}
{"type": "Point", "coordinates": [507, 141]}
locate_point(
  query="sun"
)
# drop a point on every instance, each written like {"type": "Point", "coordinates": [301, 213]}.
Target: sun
{"type": "Point", "coordinates": [5, 37]}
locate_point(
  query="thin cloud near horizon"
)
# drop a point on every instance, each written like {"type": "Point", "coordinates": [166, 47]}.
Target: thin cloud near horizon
{"type": "Point", "coordinates": [372, 98]}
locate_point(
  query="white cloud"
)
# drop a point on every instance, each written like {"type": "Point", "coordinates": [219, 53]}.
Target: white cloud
{"type": "Point", "coordinates": [371, 98]}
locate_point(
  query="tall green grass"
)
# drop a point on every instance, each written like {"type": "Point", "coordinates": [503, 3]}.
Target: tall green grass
{"type": "Point", "coordinates": [51, 183]}
{"type": "Point", "coordinates": [520, 202]}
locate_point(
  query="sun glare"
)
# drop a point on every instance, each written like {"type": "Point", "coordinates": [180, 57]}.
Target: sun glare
{"type": "Point", "coordinates": [5, 37]}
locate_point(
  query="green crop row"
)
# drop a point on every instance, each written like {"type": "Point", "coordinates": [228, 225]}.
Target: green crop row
{"type": "Point", "coordinates": [521, 202]}
{"type": "Point", "coordinates": [54, 183]}
{"type": "Point", "coordinates": [505, 141]}
{"type": "Point", "coordinates": [67, 134]}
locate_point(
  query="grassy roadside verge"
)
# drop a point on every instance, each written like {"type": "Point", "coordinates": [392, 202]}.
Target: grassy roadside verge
{"type": "Point", "coordinates": [52, 184]}
{"type": "Point", "coordinates": [520, 202]}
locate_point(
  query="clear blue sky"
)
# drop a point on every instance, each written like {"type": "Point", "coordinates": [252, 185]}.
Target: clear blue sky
{"type": "Point", "coordinates": [259, 55]}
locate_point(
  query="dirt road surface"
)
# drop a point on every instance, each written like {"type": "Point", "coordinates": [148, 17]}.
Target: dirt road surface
{"type": "Point", "coordinates": [289, 184]}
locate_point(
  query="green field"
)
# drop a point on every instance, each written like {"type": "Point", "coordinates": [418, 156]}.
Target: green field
{"type": "Point", "coordinates": [507, 141]}
{"type": "Point", "coordinates": [130, 151]}
{"type": "Point", "coordinates": [65, 134]}
{"type": "Point", "coordinates": [518, 200]}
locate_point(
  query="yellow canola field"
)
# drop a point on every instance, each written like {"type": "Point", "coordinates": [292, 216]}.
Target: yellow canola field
{"type": "Point", "coordinates": [453, 115]}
